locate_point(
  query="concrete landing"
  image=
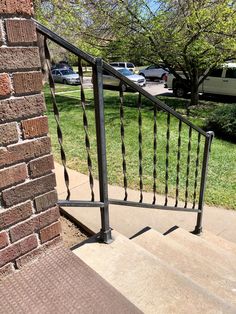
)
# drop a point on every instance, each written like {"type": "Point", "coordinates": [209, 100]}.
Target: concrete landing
{"type": "Point", "coordinates": [146, 281]}
{"type": "Point", "coordinates": [129, 220]}
{"type": "Point", "coordinates": [217, 280]}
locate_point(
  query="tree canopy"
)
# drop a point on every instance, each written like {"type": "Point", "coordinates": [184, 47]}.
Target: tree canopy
{"type": "Point", "coordinates": [187, 35]}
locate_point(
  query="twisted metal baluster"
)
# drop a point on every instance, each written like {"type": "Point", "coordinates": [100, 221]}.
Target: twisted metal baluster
{"type": "Point", "coordinates": [122, 134]}
{"type": "Point", "coordinates": [140, 153]}
{"type": "Point", "coordinates": [196, 170]}
{"type": "Point", "coordinates": [85, 123]}
{"type": "Point", "coordinates": [56, 116]}
{"type": "Point", "coordinates": [188, 167]}
{"type": "Point", "coordinates": [167, 158]}
{"type": "Point", "coordinates": [178, 165]}
{"type": "Point", "coordinates": [155, 155]}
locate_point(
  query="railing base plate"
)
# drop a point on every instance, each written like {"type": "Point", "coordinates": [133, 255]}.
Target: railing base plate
{"type": "Point", "coordinates": [106, 236]}
{"type": "Point", "coordinates": [197, 231]}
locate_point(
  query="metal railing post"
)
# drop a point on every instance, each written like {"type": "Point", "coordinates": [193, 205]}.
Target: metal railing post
{"type": "Point", "coordinates": [105, 233]}
{"type": "Point", "coordinates": [207, 148]}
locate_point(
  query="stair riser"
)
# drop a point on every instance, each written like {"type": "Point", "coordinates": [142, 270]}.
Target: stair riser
{"type": "Point", "coordinates": [216, 280]}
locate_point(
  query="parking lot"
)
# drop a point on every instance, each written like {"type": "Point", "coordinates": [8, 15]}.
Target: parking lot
{"type": "Point", "coordinates": [154, 88]}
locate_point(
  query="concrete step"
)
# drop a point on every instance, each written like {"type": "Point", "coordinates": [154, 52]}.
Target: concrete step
{"type": "Point", "coordinates": [219, 241]}
{"type": "Point", "coordinates": [146, 280]}
{"type": "Point", "coordinates": [217, 256]}
{"type": "Point", "coordinates": [213, 279]}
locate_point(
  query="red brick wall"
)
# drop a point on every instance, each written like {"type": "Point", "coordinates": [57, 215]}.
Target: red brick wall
{"type": "Point", "coordinates": [28, 211]}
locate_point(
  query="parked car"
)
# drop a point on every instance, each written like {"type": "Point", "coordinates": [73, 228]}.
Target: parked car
{"type": "Point", "coordinates": [127, 65]}
{"type": "Point", "coordinates": [153, 72]}
{"type": "Point", "coordinates": [65, 76]}
{"type": "Point", "coordinates": [220, 81]}
{"type": "Point", "coordinates": [110, 81]}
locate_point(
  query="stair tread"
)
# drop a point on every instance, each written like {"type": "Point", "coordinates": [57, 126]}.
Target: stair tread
{"type": "Point", "coordinates": [198, 245]}
{"type": "Point", "coordinates": [198, 269]}
{"type": "Point", "coordinates": [218, 240]}
{"type": "Point", "coordinates": [146, 281]}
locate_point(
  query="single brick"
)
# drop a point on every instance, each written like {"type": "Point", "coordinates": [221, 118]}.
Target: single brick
{"type": "Point", "coordinates": [41, 166]}
{"type": "Point", "coordinates": [3, 239]}
{"type": "Point", "coordinates": [13, 175]}
{"type": "Point", "coordinates": [15, 214]}
{"type": "Point", "coordinates": [28, 190]}
{"type": "Point", "coordinates": [48, 217]}
{"type": "Point", "coordinates": [5, 85]}
{"type": "Point", "coordinates": [24, 151]}
{"type": "Point", "coordinates": [6, 270]}
{"type": "Point", "coordinates": [35, 127]}
{"type": "Point", "coordinates": [45, 201]}
{"type": "Point", "coordinates": [11, 252]}
{"type": "Point", "coordinates": [23, 229]}
{"type": "Point", "coordinates": [30, 82]}
{"type": "Point", "coordinates": [19, 58]}
{"type": "Point", "coordinates": [21, 108]}
{"type": "Point", "coordinates": [16, 7]}
{"type": "Point", "coordinates": [50, 232]}
{"type": "Point", "coordinates": [21, 31]}
{"type": "Point", "coordinates": [8, 133]}
{"type": "Point", "coordinates": [38, 252]}
{"type": "Point", "coordinates": [34, 224]}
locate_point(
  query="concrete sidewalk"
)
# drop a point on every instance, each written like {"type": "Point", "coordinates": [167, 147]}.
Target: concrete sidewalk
{"type": "Point", "coordinates": [130, 220]}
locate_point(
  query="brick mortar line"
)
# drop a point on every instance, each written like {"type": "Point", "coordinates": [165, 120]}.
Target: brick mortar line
{"type": "Point", "coordinates": [2, 27]}
{"type": "Point", "coordinates": [11, 71]}
{"type": "Point", "coordinates": [16, 96]}
{"type": "Point", "coordinates": [28, 220]}
{"type": "Point", "coordinates": [27, 164]}
{"type": "Point", "coordinates": [28, 139]}
{"type": "Point", "coordinates": [20, 137]}
{"type": "Point", "coordinates": [28, 179]}
{"type": "Point", "coordinates": [2, 210]}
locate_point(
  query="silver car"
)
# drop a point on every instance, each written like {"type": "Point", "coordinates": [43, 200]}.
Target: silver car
{"type": "Point", "coordinates": [65, 76]}
{"type": "Point", "coordinates": [109, 81]}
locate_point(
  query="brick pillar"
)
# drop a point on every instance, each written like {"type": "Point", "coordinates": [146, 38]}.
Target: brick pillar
{"type": "Point", "coordinates": [28, 212]}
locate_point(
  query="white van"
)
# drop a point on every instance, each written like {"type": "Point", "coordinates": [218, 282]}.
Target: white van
{"type": "Point", "coordinates": [128, 65]}
{"type": "Point", "coordinates": [220, 81]}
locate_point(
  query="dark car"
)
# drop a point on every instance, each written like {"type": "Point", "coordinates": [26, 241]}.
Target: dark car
{"type": "Point", "coordinates": [62, 65]}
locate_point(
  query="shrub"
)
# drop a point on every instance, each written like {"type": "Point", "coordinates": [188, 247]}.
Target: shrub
{"type": "Point", "coordinates": [223, 122]}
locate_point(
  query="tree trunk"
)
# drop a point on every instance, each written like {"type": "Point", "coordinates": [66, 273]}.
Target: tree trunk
{"type": "Point", "coordinates": [194, 91]}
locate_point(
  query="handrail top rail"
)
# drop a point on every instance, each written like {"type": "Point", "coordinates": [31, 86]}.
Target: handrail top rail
{"type": "Point", "coordinates": [63, 42]}
{"type": "Point", "coordinates": [153, 99]}
{"type": "Point", "coordinates": [92, 60]}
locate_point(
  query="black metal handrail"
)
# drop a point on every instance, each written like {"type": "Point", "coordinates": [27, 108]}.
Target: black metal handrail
{"type": "Point", "coordinates": [98, 66]}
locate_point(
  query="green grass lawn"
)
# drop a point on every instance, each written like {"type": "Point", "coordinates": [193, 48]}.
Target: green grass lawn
{"type": "Point", "coordinates": [221, 185]}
